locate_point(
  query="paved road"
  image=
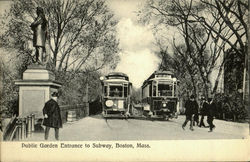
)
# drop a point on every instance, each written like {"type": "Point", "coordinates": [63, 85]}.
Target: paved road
{"type": "Point", "coordinates": [97, 128]}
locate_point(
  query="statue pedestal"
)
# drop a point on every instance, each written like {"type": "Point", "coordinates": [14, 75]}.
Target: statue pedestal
{"type": "Point", "coordinates": [35, 89]}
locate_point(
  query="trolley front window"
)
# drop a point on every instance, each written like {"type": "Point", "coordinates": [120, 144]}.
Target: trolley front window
{"type": "Point", "coordinates": [154, 90]}
{"type": "Point", "coordinates": [165, 89]}
{"type": "Point", "coordinates": [115, 91]}
{"type": "Point", "coordinates": [125, 90]}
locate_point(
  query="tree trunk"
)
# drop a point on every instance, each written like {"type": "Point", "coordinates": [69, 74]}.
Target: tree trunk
{"type": "Point", "coordinates": [194, 85]}
{"type": "Point", "coordinates": [205, 82]}
{"type": "Point", "coordinates": [54, 59]}
{"type": "Point", "coordinates": [217, 79]}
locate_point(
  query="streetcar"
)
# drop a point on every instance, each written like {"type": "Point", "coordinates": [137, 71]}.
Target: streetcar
{"type": "Point", "coordinates": [160, 96]}
{"type": "Point", "coordinates": [115, 99]}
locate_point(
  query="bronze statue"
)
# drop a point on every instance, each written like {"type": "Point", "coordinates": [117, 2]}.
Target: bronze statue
{"type": "Point", "coordinates": [39, 28]}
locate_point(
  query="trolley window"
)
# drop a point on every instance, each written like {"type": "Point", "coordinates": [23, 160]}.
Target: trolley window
{"type": "Point", "coordinates": [154, 90]}
{"type": "Point", "coordinates": [125, 90]}
{"type": "Point", "coordinates": [150, 90]}
{"type": "Point", "coordinates": [175, 90]}
{"type": "Point", "coordinates": [129, 86]}
{"type": "Point", "coordinates": [165, 89]}
{"type": "Point", "coordinates": [115, 91]}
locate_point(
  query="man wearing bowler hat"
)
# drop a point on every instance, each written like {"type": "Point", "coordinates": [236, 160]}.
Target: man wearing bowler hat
{"type": "Point", "coordinates": [52, 116]}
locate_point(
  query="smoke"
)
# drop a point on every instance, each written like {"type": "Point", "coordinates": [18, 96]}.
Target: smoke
{"type": "Point", "coordinates": [136, 59]}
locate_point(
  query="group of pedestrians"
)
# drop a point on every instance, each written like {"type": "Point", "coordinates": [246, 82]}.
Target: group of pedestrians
{"type": "Point", "coordinates": [207, 108]}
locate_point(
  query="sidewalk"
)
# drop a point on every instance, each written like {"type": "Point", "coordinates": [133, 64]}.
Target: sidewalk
{"type": "Point", "coordinates": [95, 128]}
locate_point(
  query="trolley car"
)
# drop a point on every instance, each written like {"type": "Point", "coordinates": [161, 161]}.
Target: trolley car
{"type": "Point", "coordinates": [160, 95]}
{"type": "Point", "coordinates": [116, 90]}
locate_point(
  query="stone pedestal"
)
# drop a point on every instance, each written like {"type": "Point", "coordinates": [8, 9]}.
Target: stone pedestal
{"type": "Point", "coordinates": [35, 89]}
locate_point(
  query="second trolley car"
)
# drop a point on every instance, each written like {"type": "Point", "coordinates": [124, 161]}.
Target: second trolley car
{"type": "Point", "coordinates": [116, 90]}
{"type": "Point", "coordinates": [160, 95]}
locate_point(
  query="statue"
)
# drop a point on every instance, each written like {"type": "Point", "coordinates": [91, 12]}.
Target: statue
{"type": "Point", "coordinates": [39, 28]}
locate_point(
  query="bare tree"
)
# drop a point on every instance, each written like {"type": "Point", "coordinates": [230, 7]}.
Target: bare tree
{"type": "Point", "coordinates": [181, 64]}
{"type": "Point", "coordinates": [206, 29]}
{"type": "Point", "coordinates": [81, 33]}
{"type": "Point", "coordinates": [229, 24]}
{"type": "Point", "coordinates": [227, 14]}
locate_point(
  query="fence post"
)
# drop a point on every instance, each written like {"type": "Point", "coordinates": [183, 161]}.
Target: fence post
{"type": "Point", "coordinates": [223, 116]}
{"type": "Point", "coordinates": [18, 129]}
{"type": "Point", "coordinates": [23, 128]}
{"type": "Point", "coordinates": [32, 122]}
{"type": "Point", "coordinates": [16, 132]}
{"type": "Point", "coordinates": [234, 117]}
{"type": "Point", "coordinates": [29, 129]}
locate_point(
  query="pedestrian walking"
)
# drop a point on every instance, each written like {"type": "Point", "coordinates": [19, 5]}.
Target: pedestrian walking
{"type": "Point", "coordinates": [190, 107]}
{"type": "Point", "coordinates": [211, 113]}
{"type": "Point", "coordinates": [52, 116]}
{"type": "Point", "coordinates": [203, 111]}
{"type": "Point", "coordinates": [196, 116]}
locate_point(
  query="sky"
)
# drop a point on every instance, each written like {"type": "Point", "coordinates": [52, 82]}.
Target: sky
{"type": "Point", "coordinates": [136, 57]}
{"type": "Point", "coordinates": [136, 41]}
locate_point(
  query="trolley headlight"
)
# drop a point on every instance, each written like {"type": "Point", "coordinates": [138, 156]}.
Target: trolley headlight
{"type": "Point", "coordinates": [164, 104]}
{"type": "Point", "coordinates": [109, 103]}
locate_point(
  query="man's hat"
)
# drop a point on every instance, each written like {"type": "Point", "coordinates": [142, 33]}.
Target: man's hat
{"type": "Point", "coordinates": [54, 94]}
{"type": "Point", "coordinates": [210, 99]}
{"type": "Point", "coordinates": [192, 97]}
{"type": "Point", "coordinates": [39, 9]}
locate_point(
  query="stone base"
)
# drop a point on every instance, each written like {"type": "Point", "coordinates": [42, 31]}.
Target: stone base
{"type": "Point", "coordinates": [35, 90]}
{"type": "Point", "coordinates": [33, 95]}
{"type": "Point", "coordinates": [38, 74]}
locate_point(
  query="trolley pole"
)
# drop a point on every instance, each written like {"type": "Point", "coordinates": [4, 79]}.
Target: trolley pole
{"type": "Point", "coordinates": [87, 98]}
{"type": "Point", "coordinates": [87, 94]}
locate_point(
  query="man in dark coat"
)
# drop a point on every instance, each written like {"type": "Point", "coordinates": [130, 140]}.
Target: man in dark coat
{"type": "Point", "coordinates": [196, 116]}
{"type": "Point", "coordinates": [203, 112]}
{"type": "Point", "coordinates": [211, 113]}
{"type": "Point", "coordinates": [52, 116]}
{"type": "Point", "coordinates": [191, 106]}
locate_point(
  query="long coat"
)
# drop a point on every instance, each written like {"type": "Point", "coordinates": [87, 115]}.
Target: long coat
{"type": "Point", "coordinates": [191, 107]}
{"type": "Point", "coordinates": [39, 27]}
{"type": "Point", "coordinates": [211, 109]}
{"type": "Point", "coordinates": [204, 109]}
{"type": "Point", "coordinates": [54, 119]}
